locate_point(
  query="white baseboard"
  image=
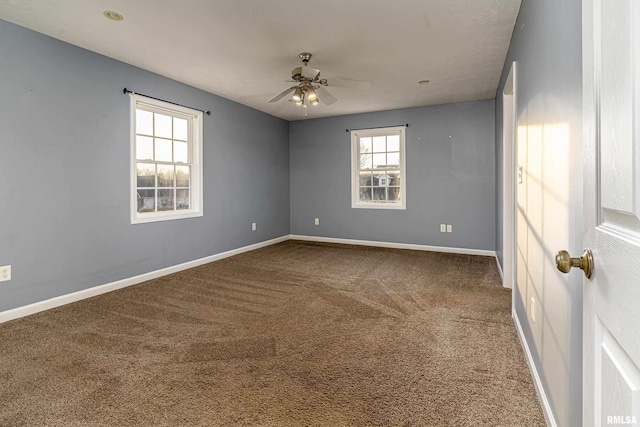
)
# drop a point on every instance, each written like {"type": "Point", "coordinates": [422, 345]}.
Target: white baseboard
{"type": "Point", "coordinates": [395, 245]}
{"type": "Point", "coordinates": [544, 400]}
{"type": "Point", "coordinates": [27, 310]}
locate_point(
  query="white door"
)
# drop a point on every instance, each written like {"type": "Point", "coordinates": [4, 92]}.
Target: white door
{"type": "Point", "coordinates": [611, 331]}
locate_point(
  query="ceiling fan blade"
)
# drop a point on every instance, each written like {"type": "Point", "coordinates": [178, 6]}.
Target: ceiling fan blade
{"type": "Point", "coordinates": [325, 96]}
{"type": "Point", "coordinates": [309, 73]}
{"type": "Point", "coordinates": [349, 83]}
{"type": "Point", "coordinates": [266, 81]}
{"type": "Point", "coordinates": [282, 94]}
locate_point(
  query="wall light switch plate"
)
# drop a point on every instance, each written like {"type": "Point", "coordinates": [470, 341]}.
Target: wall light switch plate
{"type": "Point", "coordinates": [254, 227]}
{"type": "Point", "coordinates": [443, 228]}
{"type": "Point", "coordinates": [317, 221]}
{"type": "Point", "coordinates": [449, 228]}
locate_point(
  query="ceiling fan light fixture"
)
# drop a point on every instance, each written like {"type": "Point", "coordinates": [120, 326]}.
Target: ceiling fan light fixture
{"type": "Point", "coordinates": [297, 95]}
{"type": "Point", "coordinates": [311, 94]}
{"type": "Point", "coordinates": [309, 87]}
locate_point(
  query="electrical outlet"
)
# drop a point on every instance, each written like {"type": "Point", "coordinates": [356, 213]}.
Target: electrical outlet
{"type": "Point", "coordinates": [443, 228]}
{"type": "Point", "coordinates": [5, 273]}
{"type": "Point", "coordinates": [449, 228]}
{"type": "Point", "coordinates": [317, 221]}
{"type": "Point", "coordinates": [254, 226]}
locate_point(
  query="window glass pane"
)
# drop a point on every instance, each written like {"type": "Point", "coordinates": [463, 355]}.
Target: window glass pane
{"type": "Point", "coordinates": [394, 178]}
{"type": "Point", "coordinates": [180, 152]}
{"type": "Point", "coordinates": [393, 143]}
{"type": "Point", "coordinates": [144, 122]}
{"type": "Point", "coordinates": [379, 160]}
{"type": "Point", "coordinates": [146, 201]}
{"type": "Point", "coordinates": [165, 200]}
{"type": "Point", "coordinates": [144, 148]}
{"type": "Point", "coordinates": [146, 173]}
{"type": "Point", "coordinates": [379, 144]}
{"type": "Point", "coordinates": [365, 179]}
{"type": "Point", "coordinates": [365, 194]}
{"type": "Point", "coordinates": [365, 161]}
{"type": "Point", "coordinates": [162, 125]}
{"type": "Point", "coordinates": [180, 129]}
{"type": "Point", "coordinates": [182, 199]}
{"type": "Point", "coordinates": [393, 159]}
{"type": "Point", "coordinates": [182, 176]}
{"type": "Point", "coordinates": [393, 194]}
{"type": "Point", "coordinates": [365, 145]}
{"type": "Point", "coordinates": [379, 194]}
{"type": "Point", "coordinates": [163, 150]}
{"type": "Point", "coordinates": [165, 175]}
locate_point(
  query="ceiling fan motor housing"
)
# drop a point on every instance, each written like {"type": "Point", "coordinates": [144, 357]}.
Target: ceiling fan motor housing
{"type": "Point", "coordinates": [296, 74]}
{"type": "Point", "coordinates": [300, 74]}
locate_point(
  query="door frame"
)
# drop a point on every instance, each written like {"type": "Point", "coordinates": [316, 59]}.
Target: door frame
{"type": "Point", "coordinates": [509, 140]}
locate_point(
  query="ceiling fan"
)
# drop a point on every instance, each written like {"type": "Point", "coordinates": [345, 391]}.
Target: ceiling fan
{"type": "Point", "coordinates": [311, 88]}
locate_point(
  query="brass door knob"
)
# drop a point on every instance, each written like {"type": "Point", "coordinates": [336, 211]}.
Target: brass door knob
{"type": "Point", "coordinates": [564, 262]}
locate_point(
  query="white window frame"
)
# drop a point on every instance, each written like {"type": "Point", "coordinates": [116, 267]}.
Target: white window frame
{"type": "Point", "coordinates": [195, 125]}
{"type": "Point", "coordinates": [355, 168]}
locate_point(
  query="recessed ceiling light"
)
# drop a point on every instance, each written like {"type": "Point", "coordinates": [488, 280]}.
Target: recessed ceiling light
{"type": "Point", "coordinates": [114, 16]}
{"type": "Point", "coordinates": [423, 82]}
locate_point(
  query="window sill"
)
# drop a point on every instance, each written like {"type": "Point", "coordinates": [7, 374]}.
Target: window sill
{"type": "Point", "coordinates": [394, 206]}
{"type": "Point", "coordinates": [143, 219]}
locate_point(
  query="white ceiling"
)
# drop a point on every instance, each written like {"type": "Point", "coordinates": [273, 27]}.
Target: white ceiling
{"type": "Point", "coordinates": [217, 45]}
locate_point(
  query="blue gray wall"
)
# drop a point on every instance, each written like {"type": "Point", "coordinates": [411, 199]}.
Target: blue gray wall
{"type": "Point", "coordinates": [547, 46]}
{"type": "Point", "coordinates": [64, 172]}
{"type": "Point", "coordinates": [450, 177]}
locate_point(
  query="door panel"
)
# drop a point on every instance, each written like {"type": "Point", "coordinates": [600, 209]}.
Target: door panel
{"type": "Point", "coordinates": [619, 381]}
{"type": "Point", "coordinates": [611, 336]}
{"type": "Point", "coordinates": [615, 106]}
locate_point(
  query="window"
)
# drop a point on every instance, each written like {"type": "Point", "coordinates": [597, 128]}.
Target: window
{"type": "Point", "coordinates": [378, 168]}
{"type": "Point", "coordinates": [166, 161]}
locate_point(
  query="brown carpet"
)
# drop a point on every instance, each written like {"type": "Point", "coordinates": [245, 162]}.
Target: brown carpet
{"type": "Point", "coordinates": [295, 334]}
